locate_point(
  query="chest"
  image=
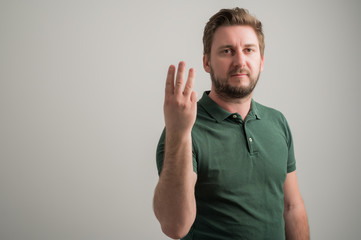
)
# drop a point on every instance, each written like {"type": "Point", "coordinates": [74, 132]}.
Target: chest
{"type": "Point", "coordinates": [237, 157]}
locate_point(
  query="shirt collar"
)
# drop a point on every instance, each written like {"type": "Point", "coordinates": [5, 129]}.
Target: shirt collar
{"type": "Point", "coordinates": [219, 114]}
{"type": "Point", "coordinates": [255, 110]}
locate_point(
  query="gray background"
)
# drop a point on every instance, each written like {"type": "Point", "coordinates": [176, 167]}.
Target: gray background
{"type": "Point", "coordinates": [81, 95]}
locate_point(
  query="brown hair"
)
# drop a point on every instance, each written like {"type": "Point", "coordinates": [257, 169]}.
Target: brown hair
{"type": "Point", "coordinates": [229, 17]}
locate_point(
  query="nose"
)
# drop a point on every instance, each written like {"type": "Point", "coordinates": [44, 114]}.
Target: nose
{"type": "Point", "coordinates": [239, 59]}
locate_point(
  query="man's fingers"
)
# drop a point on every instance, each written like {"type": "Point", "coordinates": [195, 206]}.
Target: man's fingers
{"type": "Point", "coordinates": [190, 82]}
{"type": "Point", "coordinates": [169, 84]}
{"type": "Point", "coordinates": [178, 88]}
{"type": "Point", "coordinates": [194, 97]}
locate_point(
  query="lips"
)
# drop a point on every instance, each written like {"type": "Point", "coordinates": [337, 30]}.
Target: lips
{"type": "Point", "coordinates": [242, 74]}
{"type": "Point", "coordinates": [239, 75]}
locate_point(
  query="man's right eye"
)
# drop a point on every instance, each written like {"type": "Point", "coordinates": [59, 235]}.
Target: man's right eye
{"type": "Point", "coordinates": [227, 51]}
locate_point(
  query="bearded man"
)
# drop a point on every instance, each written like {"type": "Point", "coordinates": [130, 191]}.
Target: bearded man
{"type": "Point", "coordinates": [226, 164]}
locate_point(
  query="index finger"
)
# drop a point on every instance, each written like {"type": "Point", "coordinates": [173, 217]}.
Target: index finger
{"type": "Point", "coordinates": [169, 83]}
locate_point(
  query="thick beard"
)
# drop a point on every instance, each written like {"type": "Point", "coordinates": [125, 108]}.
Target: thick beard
{"type": "Point", "coordinates": [228, 92]}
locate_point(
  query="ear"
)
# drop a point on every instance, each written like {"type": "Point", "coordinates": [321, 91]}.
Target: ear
{"type": "Point", "coordinates": [262, 63]}
{"type": "Point", "coordinates": [206, 63]}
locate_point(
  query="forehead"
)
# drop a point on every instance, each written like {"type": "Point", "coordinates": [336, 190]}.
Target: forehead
{"type": "Point", "coordinates": [234, 35]}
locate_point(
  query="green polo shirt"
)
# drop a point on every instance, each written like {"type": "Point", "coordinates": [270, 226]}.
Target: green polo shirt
{"type": "Point", "coordinates": [241, 167]}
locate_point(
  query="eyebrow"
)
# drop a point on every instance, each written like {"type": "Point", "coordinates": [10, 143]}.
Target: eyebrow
{"type": "Point", "coordinates": [225, 46]}
{"type": "Point", "coordinates": [247, 45]}
{"type": "Point", "coordinates": [251, 45]}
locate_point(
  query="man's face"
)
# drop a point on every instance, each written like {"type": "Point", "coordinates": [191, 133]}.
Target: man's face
{"type": "Point", "coordinates": [235, 62]}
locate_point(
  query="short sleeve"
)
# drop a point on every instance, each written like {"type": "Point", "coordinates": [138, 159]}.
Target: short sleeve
{"type": "Point", "coordinates": [291, 162]}
{"type": "Point", "coordinates": [160, 152]}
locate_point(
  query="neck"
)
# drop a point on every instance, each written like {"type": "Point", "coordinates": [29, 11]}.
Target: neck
{"type": "Point", "coordinates": [233, 105]}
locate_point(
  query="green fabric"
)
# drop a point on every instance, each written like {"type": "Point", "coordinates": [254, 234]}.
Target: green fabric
{"type": "Point", "coordinates": [241, 167]}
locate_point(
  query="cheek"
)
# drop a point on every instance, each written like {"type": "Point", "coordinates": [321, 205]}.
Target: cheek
{"type": "Point", "coordinates": [221, 66]}
{"type": "Point", "coordinates": [220, 71]}
{"type": "Point", "coordinates": [255, 63]}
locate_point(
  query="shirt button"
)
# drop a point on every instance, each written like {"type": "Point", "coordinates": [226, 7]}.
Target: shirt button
{"type": "Point", "coordinates": [234, 116]}
{"type": "Point", "coordinates": [250, 139]}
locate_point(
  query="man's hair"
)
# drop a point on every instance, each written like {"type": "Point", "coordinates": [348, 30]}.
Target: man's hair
{"type": "Point", "coordinates": [230, 17]}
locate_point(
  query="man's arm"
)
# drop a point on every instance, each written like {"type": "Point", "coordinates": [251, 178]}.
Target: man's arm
{"type": "Point", "coordinates": [294, 212]}
{"type": "Point", "coordinates": [174, 201]}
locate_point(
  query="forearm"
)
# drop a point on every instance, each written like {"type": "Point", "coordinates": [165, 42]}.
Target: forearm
{"type": "Point", "coordinates": [296, 223]}
{"type": "Point", "coordinates": [174, 202]}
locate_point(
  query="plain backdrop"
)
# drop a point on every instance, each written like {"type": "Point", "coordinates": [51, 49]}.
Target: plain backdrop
{"type": "Point", "coordinates": [81, 109]}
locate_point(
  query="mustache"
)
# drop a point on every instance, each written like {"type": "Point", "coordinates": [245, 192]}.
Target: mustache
{"type": "Point", "coordinates": [238, 71]}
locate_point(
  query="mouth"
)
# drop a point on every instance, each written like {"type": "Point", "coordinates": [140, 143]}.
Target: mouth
{"type": "Point", "coordinates": [239, 75]}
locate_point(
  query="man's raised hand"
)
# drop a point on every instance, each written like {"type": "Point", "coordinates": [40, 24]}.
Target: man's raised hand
{"type": "Point", "coordinates": [180, 103]}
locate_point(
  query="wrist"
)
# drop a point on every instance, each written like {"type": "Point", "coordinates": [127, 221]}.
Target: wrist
{"type": "Point", "coordinates": [176, 136]}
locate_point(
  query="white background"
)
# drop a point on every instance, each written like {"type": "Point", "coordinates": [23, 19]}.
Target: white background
{"type": "Point", "coordinates": [81, 95]}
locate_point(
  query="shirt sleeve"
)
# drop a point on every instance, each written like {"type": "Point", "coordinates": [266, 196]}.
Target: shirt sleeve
{"type": "Point", "coordinates": [291, 162]}
{"type": "Point", "coordinates": [160, 152]}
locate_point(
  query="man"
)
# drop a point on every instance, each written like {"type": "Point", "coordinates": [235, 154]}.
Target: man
{"type": "Point", "coordinates": [226, 163]}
